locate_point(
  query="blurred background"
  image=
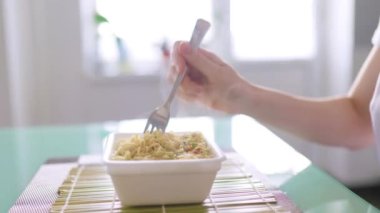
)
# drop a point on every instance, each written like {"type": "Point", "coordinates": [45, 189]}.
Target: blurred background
{"type": "Point", "coordinates": [71, 62]}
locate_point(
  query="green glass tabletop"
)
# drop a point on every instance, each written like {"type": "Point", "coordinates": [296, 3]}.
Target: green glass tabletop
{"type": "Point", "coordinates": [24, 150]}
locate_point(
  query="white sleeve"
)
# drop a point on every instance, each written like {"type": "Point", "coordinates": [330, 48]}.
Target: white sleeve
{"type": "Point", "coordinates": [376, 36]}
{"type": "Point", "coordinates": [375, 115]}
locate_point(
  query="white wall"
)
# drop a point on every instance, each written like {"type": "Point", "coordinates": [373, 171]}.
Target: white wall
{"type": "Point", "coordinates": [19, 63]}
{"type": "Point", "coordinates": [62, 93]}
{"type": "Point", "coordinates": [67, 94]}
{"type": "Point", "coordinates": [5, 113]}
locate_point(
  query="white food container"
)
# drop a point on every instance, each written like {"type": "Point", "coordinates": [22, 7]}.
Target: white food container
{"type": "Point", "coordinates": [156, 182]}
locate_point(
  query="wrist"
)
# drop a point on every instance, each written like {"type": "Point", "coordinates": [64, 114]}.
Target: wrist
{"type": "Point", "coordinates": [240, 98]}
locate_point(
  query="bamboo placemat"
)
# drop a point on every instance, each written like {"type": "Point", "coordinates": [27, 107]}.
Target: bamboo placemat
{"type": "Point", "coordinates": [88, 188]}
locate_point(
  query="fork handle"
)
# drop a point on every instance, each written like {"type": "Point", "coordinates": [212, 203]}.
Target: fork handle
{"type": "Point", "coordinates": [200, 30]}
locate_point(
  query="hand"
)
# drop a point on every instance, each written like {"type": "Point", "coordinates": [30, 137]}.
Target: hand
{"type": "Point", "coordinates": [209, 80]}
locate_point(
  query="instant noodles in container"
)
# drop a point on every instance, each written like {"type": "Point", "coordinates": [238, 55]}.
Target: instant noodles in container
{"type": "Point", "coordinates": [161, 168]}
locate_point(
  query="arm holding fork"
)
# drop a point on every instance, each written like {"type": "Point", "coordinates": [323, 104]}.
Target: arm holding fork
{"type": "Point", "coordinates": [336, 121]}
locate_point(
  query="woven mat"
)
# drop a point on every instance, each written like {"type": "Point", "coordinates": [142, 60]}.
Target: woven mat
{"type": "Point", "coordinates": [88, 188]}
{"type": "Point", "coordinates": [58, 186]}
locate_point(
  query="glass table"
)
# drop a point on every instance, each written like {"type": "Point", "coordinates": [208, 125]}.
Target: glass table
{"type": "Point", "coordinates": [24, 150]}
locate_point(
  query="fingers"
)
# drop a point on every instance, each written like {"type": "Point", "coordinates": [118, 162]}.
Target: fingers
{"type": "Point", "coordinates": [202, 60]}
{"type": "Point", "coordinates": [190, 85]}
{"type": "Point", "coordinates": [172, 73]}
{"type": "Point", "coordinates": [194, 74]}
{"type": "Point", "coordinates": [197, 77]}
{"type": "Point", "coordinates": [201, 65]}
{"type": "Point", "coordinates": [177, 60]}
{"type": "Point", "coordinates": [189, 90]}
{"type": "Point", "coordinates": [211, 56]}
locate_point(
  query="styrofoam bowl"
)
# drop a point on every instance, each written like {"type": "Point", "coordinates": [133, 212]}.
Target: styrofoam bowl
{"type": "Point", "coordinates": [157, 182]}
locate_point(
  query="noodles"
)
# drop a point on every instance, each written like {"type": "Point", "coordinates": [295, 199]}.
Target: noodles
{"type": "Point", "coordinates": [162, 146]}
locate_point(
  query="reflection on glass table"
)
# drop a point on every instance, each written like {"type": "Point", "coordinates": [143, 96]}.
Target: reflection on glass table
{"type": "Point", "coordinates": [23, 151]}
{"type": "Point", "coordinates": [310, 188]}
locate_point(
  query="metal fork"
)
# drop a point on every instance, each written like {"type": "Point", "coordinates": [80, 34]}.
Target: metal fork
{"type": "Point", "coordinates": [159, 118]}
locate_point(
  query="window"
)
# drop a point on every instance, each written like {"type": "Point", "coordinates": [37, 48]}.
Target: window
{"type": "Point", "coordinates": [272, 29]}
{"type": "Point", "coordinates": [135, 36]}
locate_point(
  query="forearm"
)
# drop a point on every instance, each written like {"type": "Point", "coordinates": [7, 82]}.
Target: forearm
{"type": "Point", "coordinates": [333, 121]}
